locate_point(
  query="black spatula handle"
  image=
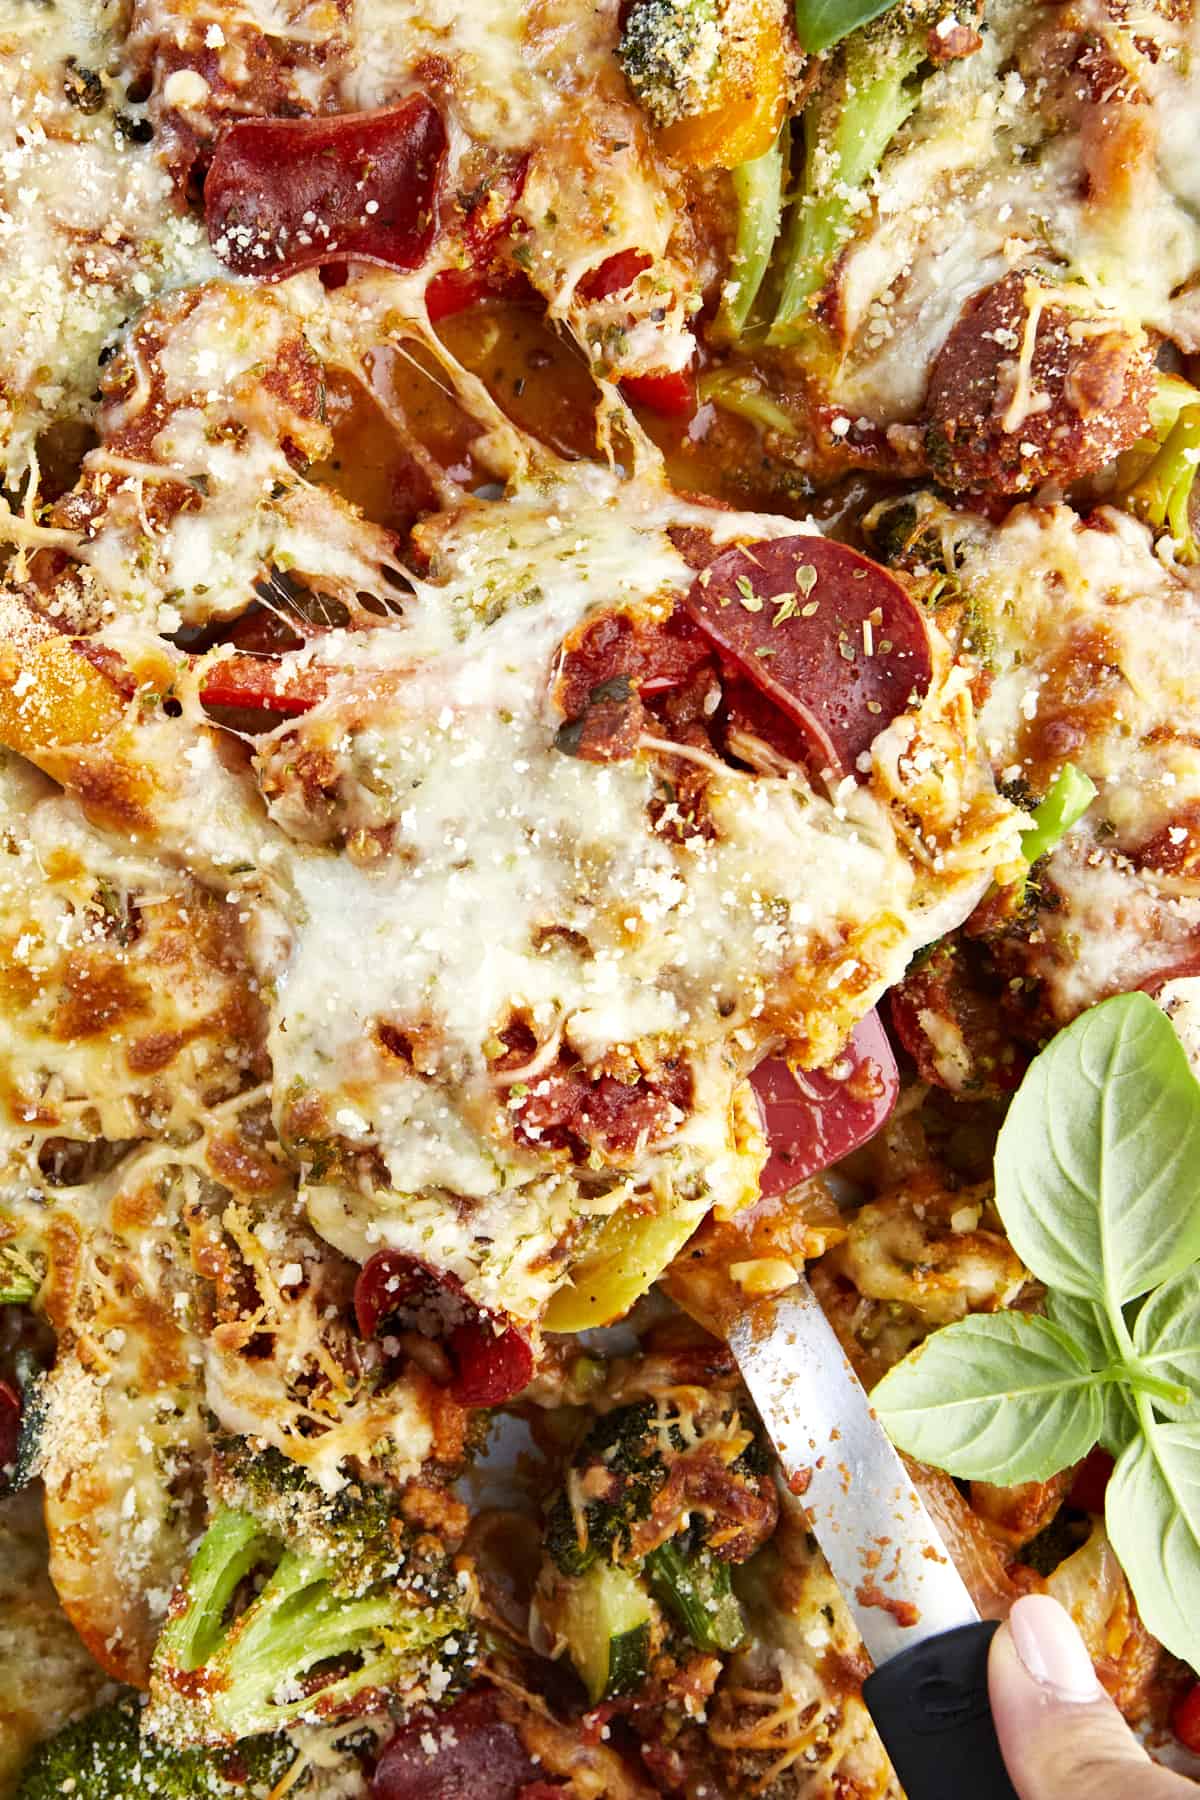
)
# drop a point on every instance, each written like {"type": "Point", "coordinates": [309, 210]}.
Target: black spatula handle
{"type": "Point", "coordinates": [930, 1707]}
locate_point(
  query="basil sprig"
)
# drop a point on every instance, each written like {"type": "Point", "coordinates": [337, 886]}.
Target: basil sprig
{"type": "Point", "coordinates": [1098, 1185]}
{"type": "Point", "coordinates": [822, 23]}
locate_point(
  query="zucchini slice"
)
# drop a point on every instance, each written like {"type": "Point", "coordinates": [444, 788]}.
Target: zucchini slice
{"type": "Point", "coordinates": [604, 1616]}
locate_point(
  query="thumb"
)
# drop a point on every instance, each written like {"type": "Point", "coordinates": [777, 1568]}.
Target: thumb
{"type": "Point", "coordinates": [1060, 1733]}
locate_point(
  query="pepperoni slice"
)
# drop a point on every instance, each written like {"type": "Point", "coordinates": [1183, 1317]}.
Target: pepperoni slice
{"type": "Point", "coordinates": [492, 1361]}
{"type": "Point", "coordinates": [1090, 1482]}
{"type": "Point", "coordinates": [287, 194]}
{"type": "Point", "coordinates": [830, 637]}
{"type": "Point", "coordinates": [815, 1118]}
{"type": "Point", "coordinates": [467, 1752]}
{"type": "Point", "coordinates": [10, 1430]}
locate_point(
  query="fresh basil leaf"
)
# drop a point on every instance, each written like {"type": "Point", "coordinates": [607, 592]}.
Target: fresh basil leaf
{"type": "Point", "coordinates": [822, 23]}
{"type": "Point", "coordinates": [996, 1397]}
{"type": "Point", "coordinates": [1088, 1329]}
{"type": "Point", "coordinates": [1094, 1161]}
{"type": "Point", "coordinates": [1152, 1511]}
{"type": "Point", "coordinates": [1166, 1335]}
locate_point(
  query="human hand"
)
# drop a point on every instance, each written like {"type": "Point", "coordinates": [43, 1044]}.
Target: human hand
{"type": "Point", "coordinates": [1061, 1735]}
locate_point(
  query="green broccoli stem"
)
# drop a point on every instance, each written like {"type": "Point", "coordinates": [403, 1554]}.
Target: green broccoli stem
{"type": "Point", "coordinates": [696, 1590]}
{"type": "Point", "coordinates": [302, 1647]}
{"type": "Point", "coordinates": [877, 96]}
{"type": "Point", "coordinates": [758, 189]}
{"type": "Point", "coordinates": [745, 397]}
{"type": "Point", "coordinates": [19, 1279]}
{"type": "Point", "coordinates": [1161, 495]}
{"type": "Point", "coordinates": [22, 1262]}
{"type": "Point", "coordinates": [1070, 795]}
{"type": "Point", "coordinates": [233, 1546]}
{"type": "Point", "coordinates": [296, 1623]}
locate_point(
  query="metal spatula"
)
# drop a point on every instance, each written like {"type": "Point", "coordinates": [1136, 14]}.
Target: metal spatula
{"type": "Point", "coordinates": [928, 1695]}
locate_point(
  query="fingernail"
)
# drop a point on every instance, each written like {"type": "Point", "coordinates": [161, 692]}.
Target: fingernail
{"type": "Point", "coordinates": [1051, 1649]}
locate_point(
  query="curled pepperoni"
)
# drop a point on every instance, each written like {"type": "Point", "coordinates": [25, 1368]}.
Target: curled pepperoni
{"type": "Point", "coordinates": [815, 1118]}
{"type": "Point", "coordinates": [287, 194]}
{"type": "Point", "coordinates": [10, 1430]}
{"type": "Point", "coordinates": [490, 1364]}
{"type": "Point", "coordinates": [467, 1752]}
{"type": "Point", "coordinates": [830, 637]}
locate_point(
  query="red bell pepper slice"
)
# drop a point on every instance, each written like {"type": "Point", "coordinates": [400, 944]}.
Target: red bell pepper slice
{"type": "Point", "coordinates": [671, 392]}
{"type": "Point", "coordinates": [613, 275]}
{"type": "Point", "coordinates": [816, 1117]}
{"type": "Point", "coordinates": [263, 684]}
{"type": "Point", "coordinates": [492, 1360]}
{"type": "Point", "coordinates": [1185, 1718]}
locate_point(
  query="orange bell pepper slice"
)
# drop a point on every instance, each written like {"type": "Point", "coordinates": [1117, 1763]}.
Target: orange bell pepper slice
{"type": "Point", "coordinates": [752, 98]}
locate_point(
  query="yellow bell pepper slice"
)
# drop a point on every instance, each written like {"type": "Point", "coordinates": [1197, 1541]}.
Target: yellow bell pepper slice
{"type": "Point", "coordinates": [626, 1257]}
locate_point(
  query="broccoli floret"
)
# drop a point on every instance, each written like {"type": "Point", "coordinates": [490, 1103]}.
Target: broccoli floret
{"type": "Point", "coordinates": [669, 52]}
{"type": "Point", "coordinates": [1161, 491]}
{"type": "Point", "coordinates": [874, 85]}
{"type": "Point", "coordinates": [628, 1501]}
{"type": "Point", "coordinates": [622, 1453]}
{"type": "Point", "coordinates": [916, 532]}
{"type": "Point", "coordinates": [312, 1610]}
{"type": "Point", "coordinates": [358, 1531]}
{"type": "Point", "coordinates": [104, 1756]}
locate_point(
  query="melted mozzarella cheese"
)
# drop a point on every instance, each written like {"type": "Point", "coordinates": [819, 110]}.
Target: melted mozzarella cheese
{"type": "Point", "coordinates": [89, 227]}
{"type": "Point", "coordinates": [1094, 644]}
{"type": "Point", "coordinates": [1044, 583]}
{"type": "Point", "coordinates": [520, 880]}
{"type": "Point", "coordinates": [1180, 1000]}
{"type": "Point", "coordinates": [94, 1042]}
{"type": "Point", "coordinates": [222, 447]}
{"type": "Point", "coordinates": [520, 74]}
